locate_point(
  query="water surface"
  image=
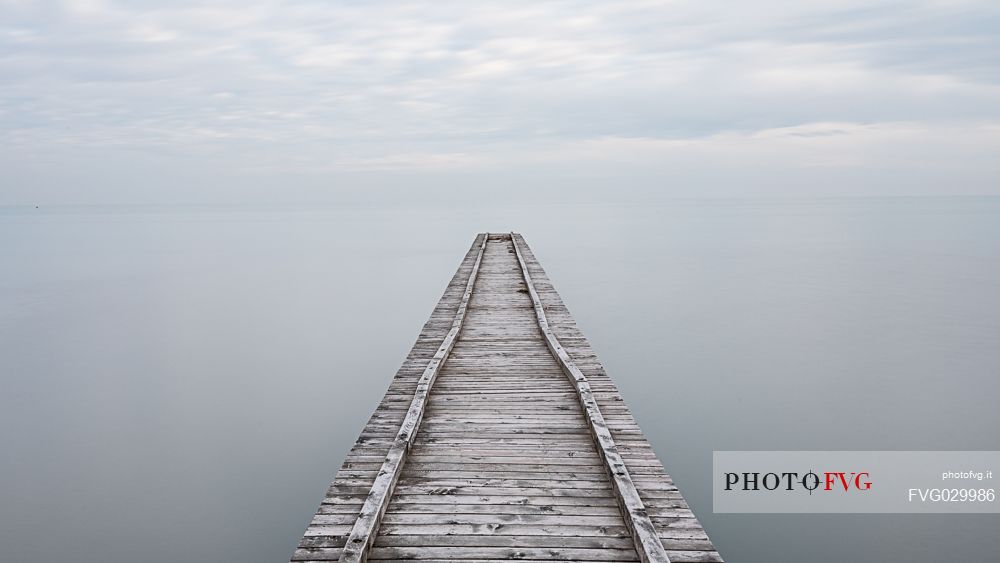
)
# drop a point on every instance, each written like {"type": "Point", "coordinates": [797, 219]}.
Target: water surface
{"type": "Point", "coordinates": [181, 383]}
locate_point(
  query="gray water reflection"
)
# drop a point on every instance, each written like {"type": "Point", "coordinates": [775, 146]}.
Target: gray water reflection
{"type": "Point", "coordinates": [179, 384]}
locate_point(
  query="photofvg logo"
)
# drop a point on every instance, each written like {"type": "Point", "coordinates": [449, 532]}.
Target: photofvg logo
{"type": "Point", "coordinates": [809, 481]}
{"type": "Point", "coordinates": [854, 481]}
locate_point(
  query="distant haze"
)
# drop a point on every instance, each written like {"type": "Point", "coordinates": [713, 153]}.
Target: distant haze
{"type": "Point", "coordinates": [265, 101]}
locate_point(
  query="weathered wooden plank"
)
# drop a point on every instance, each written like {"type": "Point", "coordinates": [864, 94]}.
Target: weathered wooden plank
{"type": "Point", "coordinates": [362, 534]}
{"type": "Point", "coordinates": [565, 329]}
{"type": "Point", "coordinates": [507, 541]}
{"type": "Point", "coordinates": [558, 530]}
{"type": "Point", "coordinates": [504, 461]}
{"type": "Point", "coordinates": [504, 509]}
{"type": "Point", "coordinates": [521, 552]}
{"type": "Point", "coordinates": [647, 544]}
{"type": "Point", "coordinates": [536, 468]}
{"type": "Point", "coordinates": [500, 359]}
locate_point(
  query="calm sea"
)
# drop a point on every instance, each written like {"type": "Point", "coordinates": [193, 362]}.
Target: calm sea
{"type": "Point", "coordinates": [181, 383]}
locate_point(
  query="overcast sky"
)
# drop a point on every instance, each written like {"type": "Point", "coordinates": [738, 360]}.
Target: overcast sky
{"type": "Point", "coordinates": [179, 101]}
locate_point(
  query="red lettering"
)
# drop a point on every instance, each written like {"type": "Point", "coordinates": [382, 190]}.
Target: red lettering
{"type": "Point", "coordinates": [862, 486]}
{"type": "Point", "coordinates": [837, 479]}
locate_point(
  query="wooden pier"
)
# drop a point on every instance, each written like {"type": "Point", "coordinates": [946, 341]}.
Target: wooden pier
{"type": "Point", "coordinates": [500, 438]}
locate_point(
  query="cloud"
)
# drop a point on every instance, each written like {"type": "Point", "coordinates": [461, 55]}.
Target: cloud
{"type": "Point", "coordinates": [382, 86]}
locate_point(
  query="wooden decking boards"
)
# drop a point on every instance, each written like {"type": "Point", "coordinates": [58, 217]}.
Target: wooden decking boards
{"type": "Point", "coordinates": [523, 448]}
